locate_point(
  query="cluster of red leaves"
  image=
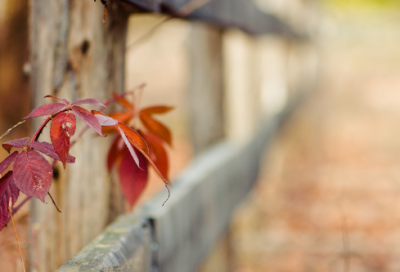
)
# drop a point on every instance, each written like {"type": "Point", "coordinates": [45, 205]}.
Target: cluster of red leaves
{"type": "Point", "coordinates": [32, 173]}
{"type": "Point", "coordinates": [132, 150]}
{"type": "Point", "coordinates": [141, 148]}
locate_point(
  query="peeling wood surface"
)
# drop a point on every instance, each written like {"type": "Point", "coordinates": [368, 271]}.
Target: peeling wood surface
{"type": "Point", "coordinates": [226, 13]}
{"type": "Point", "coordinates": [75, 56]}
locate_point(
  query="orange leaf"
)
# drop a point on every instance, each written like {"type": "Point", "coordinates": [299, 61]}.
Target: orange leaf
{"type": "Point", "coordinates": [122, 117]}
{"type": "Point", "coordinates": [139, 142]}
{"type": "Point", "coordinates": [156, 110]}
{"type": "Point", "coordinates": [158, 154]}
{"type": "Point", "coordinates": [124, 103]}
{"type": "Point", "coordinates": [107, 129]}
{"type": "Point", "coordinates": [156, 128]}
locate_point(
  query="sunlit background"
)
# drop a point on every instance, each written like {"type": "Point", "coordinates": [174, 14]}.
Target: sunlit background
{"type": "Point", "coordinates": [328, 195]}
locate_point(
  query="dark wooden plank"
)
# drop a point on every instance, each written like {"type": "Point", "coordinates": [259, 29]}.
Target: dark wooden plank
{"type": "Point", "coordinates": [226, 13]}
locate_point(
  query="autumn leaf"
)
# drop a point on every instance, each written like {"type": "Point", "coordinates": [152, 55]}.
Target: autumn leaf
{"type": "Point", "coordinates": [88, 118]}
{"type": "Point", "coordinates": [90, 101]}
{"type": "Point", "coordinates": [156, 110]}
{"type": "Point", "coordinates": [32, 174]}
{"type": "Point", "coordinates": [20, 143]}
{"type": "Point", "coordinates": [156, 127]}
{"type": "Point", "coordinates": [65, 101]}
{"type": "Point", "coordinates": [48, 150]}
{"type": "Point", "coordinates": [62, 128]}
{"type": "Point", "coordinates": [123, 102]}
{"type": "Point", "coordinates": [114, 153]}
{"type": "Point", "coordinates": [133, 179]}
{"type": "Point", "coordinates": [8, 191]}
{"type": "Point", "coordinates": [132, 137]}
{"type": "Point", "coordinates": [7, 161]}
{"type": "Point", "coordinates": [158, 153]}
{"type": "Point", "coordinates": [48, 109]}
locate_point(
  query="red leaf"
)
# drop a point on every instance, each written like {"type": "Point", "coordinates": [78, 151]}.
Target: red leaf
{"type": "Point", "coordinates": [48, 109]}
{"type": "Point", "coordinates": [158, 154]}
{"type": "Point", "coordinates": [20, 143]}
{"type": "Point", "coordinates": [32, 174]}
{"type": "Point", "coordinates": [133, 179]}
{"type": "Point", "coordinates": [8, 190]}
{"type": "Point", "coordinates": [156, 127]}
{"type": "Point", "coordinates": [62, 128]}
{"type": "Point", "coordinates": [7, 161]}
{"type": "Point", "coordinates": [89, 119]}
{"type": "Point", "coordinates": [156, 110]}
{"type": "Point", "coordinates": [114, 153]}
{"type": "Point", "coordinates": [91, 101]}
{"type": "Point", "coordinates": [48, 150]}
{"type": "Point", "coordinates": [65, 101]}
{"type": "Point", "coordinates": [122, 129]}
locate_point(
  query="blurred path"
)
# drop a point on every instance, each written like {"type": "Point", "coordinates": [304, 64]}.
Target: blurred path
{"type": "Point", "coordinates": [329, 198]}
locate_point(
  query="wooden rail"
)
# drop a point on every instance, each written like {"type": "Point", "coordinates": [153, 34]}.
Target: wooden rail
{"type": "Point", "coordinates": [177, 237]}
{"type": "Point", "coordinates": [226, 13]}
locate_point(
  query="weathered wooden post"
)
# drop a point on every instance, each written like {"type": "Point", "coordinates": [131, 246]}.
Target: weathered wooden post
{"type": "Point", "coordinates": [206, 90]}
{"type": "Point", "coordinates": [74, 55]}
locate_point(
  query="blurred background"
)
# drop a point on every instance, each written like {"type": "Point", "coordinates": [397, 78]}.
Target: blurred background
{"type": "Point", "coordinates": [327, 197]}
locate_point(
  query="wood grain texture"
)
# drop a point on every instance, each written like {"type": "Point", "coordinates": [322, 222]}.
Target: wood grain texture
{"type": "Point", "coordinates": [75, 56]}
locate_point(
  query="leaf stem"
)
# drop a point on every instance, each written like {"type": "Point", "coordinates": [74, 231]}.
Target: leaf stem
{"type": "Point", "coordinates": [40, 129]}
{"type": "Point", "coordinates": [55, 204]}
{"type": "Point", "coordinates": [16, 237]}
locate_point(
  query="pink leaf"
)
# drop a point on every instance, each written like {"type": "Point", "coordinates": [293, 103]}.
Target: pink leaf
{"type": "Point", "coordinates": [46, 110]}
{"type": "Point", "coordinates": [48, 150]}
{"type": "Point", "coordinates": [20, 143]}
{"type": "Point", "coordinates": [65, 101]}
{"type": "Point", "coordinates": [62, 128]}
{"type": "Point", "coordinates": [91, 101]}
{"type": "Point", "coordinates": [133, 179]}
{"type": "Point", "coordinates": [32, 174]}
{"type": "Point", "coordinates": [8, 190]}
{"type": "Point", "coordinates": [7, 161]}
{"type": "Point", "coordinates": [89, 119]}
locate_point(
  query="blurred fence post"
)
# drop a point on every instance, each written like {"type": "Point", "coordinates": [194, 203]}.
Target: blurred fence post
{"type": "Point", "coordinates": [75, 56]}
{"type": "Point", "coordinates": [206, 90]}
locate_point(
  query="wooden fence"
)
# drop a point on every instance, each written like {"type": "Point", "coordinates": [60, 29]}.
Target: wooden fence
{"type": "Point", "coordinates": [74, 55]}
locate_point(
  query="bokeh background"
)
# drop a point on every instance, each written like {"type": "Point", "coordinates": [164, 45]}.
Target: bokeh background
{"type": "Point", "coordinates": [328, 195]}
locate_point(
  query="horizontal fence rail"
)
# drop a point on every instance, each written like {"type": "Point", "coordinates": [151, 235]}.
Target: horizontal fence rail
{"type": "Point", "coordinates": [226, 13]}
{"type": "Point", "coordinates": [177, 237]}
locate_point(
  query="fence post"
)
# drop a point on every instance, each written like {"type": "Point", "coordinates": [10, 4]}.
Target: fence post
{"type": "Point", "coordinates": [206, 91]}
{"type": "Point", "coordinates": [75, 56]}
